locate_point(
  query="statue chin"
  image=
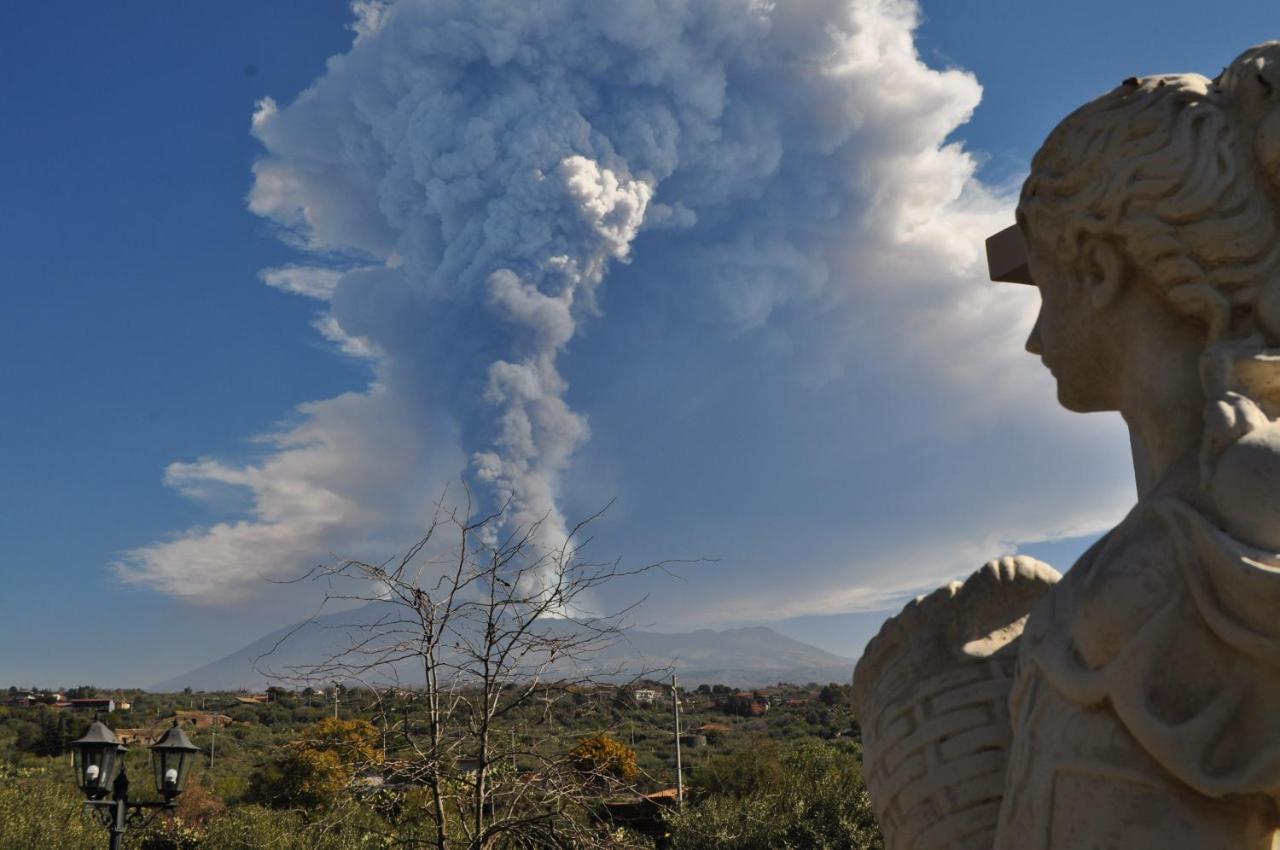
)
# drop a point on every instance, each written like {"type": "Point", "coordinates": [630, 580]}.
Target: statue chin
{"type": "Point", "coordinates": [1070, 402]}
{"type": "Point", "coordinates": [1078, 396]}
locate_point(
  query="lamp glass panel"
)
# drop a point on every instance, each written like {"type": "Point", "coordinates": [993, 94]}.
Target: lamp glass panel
{"type": "Point", "coordinates": [100, 756]}
{"type": "Point", "coordinates": [170, 765]}
{"type": "Point", "coordinates": [159, 759]}
{"type": "Point", "coordinates": [181, 762]}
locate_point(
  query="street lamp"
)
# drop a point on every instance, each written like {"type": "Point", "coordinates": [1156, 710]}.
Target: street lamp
{"type": "Point", "coordinates": [98, 757]}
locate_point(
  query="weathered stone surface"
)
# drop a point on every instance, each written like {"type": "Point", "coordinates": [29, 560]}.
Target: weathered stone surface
{"type": "Point", "coordinates": [932, 691]}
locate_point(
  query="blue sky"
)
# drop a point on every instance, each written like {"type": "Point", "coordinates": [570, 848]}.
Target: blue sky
{"type": "Point", "coordinates": [835, 433]}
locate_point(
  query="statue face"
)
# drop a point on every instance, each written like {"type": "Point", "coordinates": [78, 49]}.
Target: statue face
{"type": "Point", "coordinates": [1073, 336]}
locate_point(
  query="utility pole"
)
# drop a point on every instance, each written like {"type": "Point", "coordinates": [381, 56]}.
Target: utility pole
{"type": "Point", "coordinates": [675, 706]}
{"type": "Point", "coordinates": [213, 742]}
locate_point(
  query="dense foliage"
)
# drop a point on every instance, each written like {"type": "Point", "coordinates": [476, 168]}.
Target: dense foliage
{"type": "Point", "coordinates": [287, 774]}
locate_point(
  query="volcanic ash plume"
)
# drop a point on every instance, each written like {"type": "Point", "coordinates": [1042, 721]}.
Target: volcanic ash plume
{"type": "Point", "coordinates": [536, 431]}
{"type": "Point", "coordinates": [466, 184]}
{"type": "Point", "coordinates": [495, 158]}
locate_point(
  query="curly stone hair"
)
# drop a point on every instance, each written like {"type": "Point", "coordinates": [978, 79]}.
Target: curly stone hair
{"type": "Point", "coordinates": [1182, 173]}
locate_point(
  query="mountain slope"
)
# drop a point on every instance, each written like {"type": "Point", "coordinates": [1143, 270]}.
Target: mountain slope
{"type": "Point", "coordinates": [745, 657]}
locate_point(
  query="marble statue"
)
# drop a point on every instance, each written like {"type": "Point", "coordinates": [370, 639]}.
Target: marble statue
{"type": "Point", "coordinates": [1143, 710]}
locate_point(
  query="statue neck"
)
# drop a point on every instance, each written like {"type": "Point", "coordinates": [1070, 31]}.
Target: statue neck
{"type": "Point", "coordinates": [1162, 402]}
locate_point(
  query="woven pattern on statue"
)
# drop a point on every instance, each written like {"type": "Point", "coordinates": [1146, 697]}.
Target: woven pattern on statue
{"type": "Point", "coordinates": [932, 695]}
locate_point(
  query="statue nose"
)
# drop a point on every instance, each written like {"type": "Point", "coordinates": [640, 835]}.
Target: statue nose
{"type": "Point", "coordinates": [1033, 339]}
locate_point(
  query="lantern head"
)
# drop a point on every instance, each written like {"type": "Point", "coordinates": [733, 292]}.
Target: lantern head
{"type": "Point", "coordinates": [98, 757]}
{"type": "Point", "coordinates": [171, 759]}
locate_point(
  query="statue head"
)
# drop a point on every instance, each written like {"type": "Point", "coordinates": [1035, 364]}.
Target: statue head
{"type": "Point", "coordinates": [1160, 197]}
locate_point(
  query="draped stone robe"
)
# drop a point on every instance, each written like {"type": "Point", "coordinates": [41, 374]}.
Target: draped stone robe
{"type": "Point", "coordinates": [1146, 704]}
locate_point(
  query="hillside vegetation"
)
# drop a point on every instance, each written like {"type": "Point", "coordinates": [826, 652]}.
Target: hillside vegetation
{"type": "Point", "coordinates": [335, 770]}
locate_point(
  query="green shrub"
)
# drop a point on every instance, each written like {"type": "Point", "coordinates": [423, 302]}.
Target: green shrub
{"type": "Point", "coordinates": [38, 809]}
{"type": "Point", "coordinates": [816, 802]}
{"type": "Point", "coordinates": [758, 764]}
{"type": "Point", "coordinates": [314, 770]}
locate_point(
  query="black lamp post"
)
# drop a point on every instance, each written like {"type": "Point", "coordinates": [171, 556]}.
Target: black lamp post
{"type": "Point", "coordinates": [99, 763]}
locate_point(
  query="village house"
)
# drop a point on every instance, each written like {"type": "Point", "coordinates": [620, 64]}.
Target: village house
{"type": "Point", "coordinates": [201, 719]}
{"type": "Point", "coordinates": [142, 736]}
{"type": "Point", "coordinates": [28, 699]}
{"type": "Point", "coordinates": [105, 704]}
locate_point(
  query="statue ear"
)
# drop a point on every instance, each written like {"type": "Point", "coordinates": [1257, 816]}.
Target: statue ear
{"type": "Point", "coordinates": [1102, 271]}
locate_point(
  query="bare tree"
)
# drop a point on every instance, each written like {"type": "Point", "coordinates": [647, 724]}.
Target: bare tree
{"type": "Point", "coordinates": [479, 626]}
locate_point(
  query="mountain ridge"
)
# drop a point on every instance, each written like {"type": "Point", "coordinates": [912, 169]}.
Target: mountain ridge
{"type": "Point", "coordinates": [748, 656]}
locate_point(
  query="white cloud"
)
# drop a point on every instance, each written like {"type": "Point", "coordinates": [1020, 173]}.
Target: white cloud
{"type": "Point", "coordinates": [352, 346]}
{"type": "Point", "coordinates": [909, 566]}
{"type": "Point", "coordinates": [318, 283]}
{"type": "Point", "coordinates": [342, 473]}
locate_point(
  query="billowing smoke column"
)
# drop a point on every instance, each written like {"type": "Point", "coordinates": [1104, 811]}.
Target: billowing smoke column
{"type": "Point", "coordinates": [537, 431]}
{"type": "Point", "coordinates": [502, 155]}
{"type": "Point", "coordinates": [471, 172]}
